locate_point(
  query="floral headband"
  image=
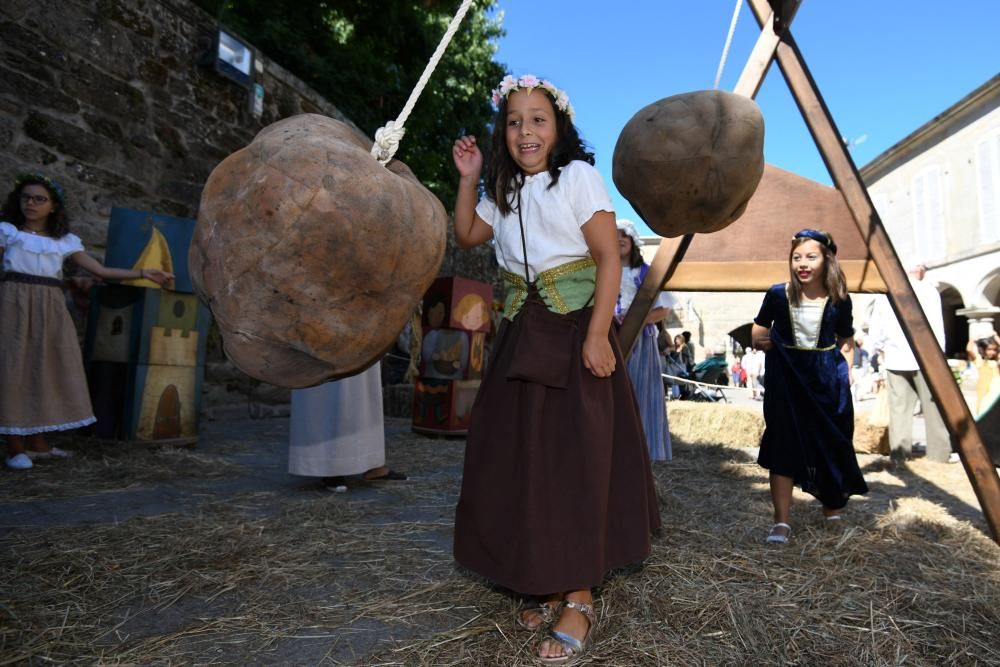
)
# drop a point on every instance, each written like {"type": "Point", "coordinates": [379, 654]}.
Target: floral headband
{"type": "Point", "coordinates": [529, 82]}
{"type": "Point", "coordinates": [39, 179]}
{"type": "Point", "coordinates": [819, 237]}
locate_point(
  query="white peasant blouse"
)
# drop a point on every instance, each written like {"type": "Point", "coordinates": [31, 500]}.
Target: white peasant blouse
{"type": "Point", "coordinates": [36, 255]}
{"type": "Point", "coordinates": [552, 219]}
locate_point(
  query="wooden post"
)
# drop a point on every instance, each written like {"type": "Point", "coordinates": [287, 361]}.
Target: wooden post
{"type": "Point", "coordinates": [933, 364]}
{"type": "Point", "coordinates": [671, 251]}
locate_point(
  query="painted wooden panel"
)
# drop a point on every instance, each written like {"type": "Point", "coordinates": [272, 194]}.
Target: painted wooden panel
{"type": "Point", "coordinates": [146, 240]}
{"type": "Point", "coordinates": [452, 354]}
{"type": "Point", "coordinates": [458, 303]}
{"type": "Point", "coordinates": [443, 406]}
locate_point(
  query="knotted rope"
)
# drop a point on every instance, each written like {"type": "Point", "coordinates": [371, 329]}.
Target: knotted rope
{"type": "Point", "coordinates": [387, 138]}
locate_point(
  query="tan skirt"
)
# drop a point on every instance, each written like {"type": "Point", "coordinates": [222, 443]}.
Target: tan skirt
{"type": "Point", "coordinates": [42, 384]}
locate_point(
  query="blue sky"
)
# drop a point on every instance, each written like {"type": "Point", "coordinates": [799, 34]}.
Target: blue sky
{"type": "Point", "coordinates": [884, 67]}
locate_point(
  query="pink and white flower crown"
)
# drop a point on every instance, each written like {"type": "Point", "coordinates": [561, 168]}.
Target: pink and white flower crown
{"type": "Point", "coordinates": [529, 82]}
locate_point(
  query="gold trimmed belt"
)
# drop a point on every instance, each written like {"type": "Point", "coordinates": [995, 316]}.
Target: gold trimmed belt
{"type": "Point", "coordinates": [563, 288]}
{"type": "Point", "coordinates": [811, 349]}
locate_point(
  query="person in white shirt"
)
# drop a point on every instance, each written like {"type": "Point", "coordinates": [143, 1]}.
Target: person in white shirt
{"type": "Point", "coordinates": [904, 380]}
{"type": "Point", "coordinates": [753, 364]}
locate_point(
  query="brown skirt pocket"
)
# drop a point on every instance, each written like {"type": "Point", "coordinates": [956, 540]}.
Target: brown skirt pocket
{"type": "Point", "coordinates": [543, 350]}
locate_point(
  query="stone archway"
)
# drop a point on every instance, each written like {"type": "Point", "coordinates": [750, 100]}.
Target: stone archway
{"type": "Point", "coordinates": [991, 288]}
{"type": "Point", "coordinates": [956, 327]}
{"type": "Point", "coordinates": [984, 314]}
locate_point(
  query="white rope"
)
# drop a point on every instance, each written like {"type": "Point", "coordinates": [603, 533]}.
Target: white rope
{"type": "Point", "coordinates": [387, 138]}
{"type": "Point", "coordinates": [729, 40]}
{"type": "Point", "coordinates": [702, 384]}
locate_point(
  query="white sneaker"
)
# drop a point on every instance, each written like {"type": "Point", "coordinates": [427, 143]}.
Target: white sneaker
{"type": "Point", "coordinates": [954, 458]}
{"type": "Point", "coordinates": [20, 462]}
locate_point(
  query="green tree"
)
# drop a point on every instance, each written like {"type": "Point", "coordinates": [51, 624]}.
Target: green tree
{"type": "Point", "coordinates": [365, 57]}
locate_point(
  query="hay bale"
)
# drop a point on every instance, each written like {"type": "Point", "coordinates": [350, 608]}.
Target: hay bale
{"type": "Point", "coordinates": [311, 255]}
{"type": "Point", "coordinates": [870, 438]}
{"type": "Point", "coordinates": [715, 424]}
{"type": "Point", "coordinates": [690, 163]}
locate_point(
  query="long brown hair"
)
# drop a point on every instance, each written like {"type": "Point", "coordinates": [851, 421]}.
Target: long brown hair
{"type": "Point", "coordinates": [833, 276]}
{"type": "Point", "coordinates": [503, 177]}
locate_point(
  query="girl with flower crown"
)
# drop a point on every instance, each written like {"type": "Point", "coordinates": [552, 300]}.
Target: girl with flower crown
{"type": "Point", "coordinates": [805, 326]}
{"type": "Point", "coordinates": [42, 384]}
{"type": "Point", "coordinates": [557, 489]}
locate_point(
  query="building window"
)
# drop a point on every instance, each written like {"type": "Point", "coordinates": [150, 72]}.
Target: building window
{"type": "Point", "coordinates": [988, 177]}
{"type": "Point", "coordinates": [897, 229]}
{"type": "Point", "coordinates": [928, 213]}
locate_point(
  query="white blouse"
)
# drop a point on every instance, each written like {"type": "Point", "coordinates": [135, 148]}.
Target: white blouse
{"type": "Point", "coordinates": [807, 319]}
{"type": "Point", "coordinates": [24, 252]}
{"type": "Point", "coordinates": [552, 219]}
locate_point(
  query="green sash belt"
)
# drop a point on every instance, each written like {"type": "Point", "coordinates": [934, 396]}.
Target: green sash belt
{"type": "Point", "coordinates": [563, 288]}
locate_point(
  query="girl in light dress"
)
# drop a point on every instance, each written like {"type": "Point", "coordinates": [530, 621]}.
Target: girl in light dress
{"type": "Point", "coordinates": [42, 384]}
{"type": "Point", "coordinates": [644, 367]}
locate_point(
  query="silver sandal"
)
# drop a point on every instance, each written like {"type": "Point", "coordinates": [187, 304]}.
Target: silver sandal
{"type": "Point", "coordinates": [778, 538]}
{"type": "Point", "coordinates": [544, 609]}
{"type": "Point", "coordinates": [572, 647]}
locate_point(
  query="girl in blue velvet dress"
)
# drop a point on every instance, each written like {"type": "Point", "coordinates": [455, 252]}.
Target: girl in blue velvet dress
{"type": "Point", "coordinates": [805, 327]}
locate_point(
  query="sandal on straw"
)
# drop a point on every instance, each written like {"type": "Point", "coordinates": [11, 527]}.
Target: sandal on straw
{"type": "Point", "coordinates": [777, 538]}
{"type": "Point", "coordinates": [572, 647]}
{"type": "Point", "coordinates": [545, 610]}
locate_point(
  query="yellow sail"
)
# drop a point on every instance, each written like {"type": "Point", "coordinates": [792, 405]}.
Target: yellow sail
{"type": "Point", "coordinates": [156, 255]}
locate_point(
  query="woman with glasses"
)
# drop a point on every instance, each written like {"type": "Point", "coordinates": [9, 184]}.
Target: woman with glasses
{"type": "Point", "coordinates": [42, 384]}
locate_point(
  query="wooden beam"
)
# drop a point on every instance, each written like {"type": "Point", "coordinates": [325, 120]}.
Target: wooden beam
{"type": "Point", "coordinates": [662, 267]}
{"type": "Point", "coordinates": [954, 410]}
{"type": "Point", "coordinates": [762, 55]}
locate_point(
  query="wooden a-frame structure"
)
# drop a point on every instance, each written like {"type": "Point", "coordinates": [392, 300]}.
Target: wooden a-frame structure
{"type": "Point", "coordinates": [776, 43]}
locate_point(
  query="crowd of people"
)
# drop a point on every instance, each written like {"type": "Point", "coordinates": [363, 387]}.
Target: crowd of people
{"type": "Point", "coordinates": [557, 486]}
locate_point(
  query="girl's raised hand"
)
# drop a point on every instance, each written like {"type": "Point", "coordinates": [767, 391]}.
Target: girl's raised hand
{"type": "Point", "coordinates": [468, 158]}
{"type": "Point", "coordinates": [598, 356]}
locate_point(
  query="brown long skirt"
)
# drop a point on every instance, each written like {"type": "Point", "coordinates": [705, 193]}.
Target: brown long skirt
{"type": "Point", "coordinates": [557, 489]}
{"type": "Point", "coordinates": [42, 384]}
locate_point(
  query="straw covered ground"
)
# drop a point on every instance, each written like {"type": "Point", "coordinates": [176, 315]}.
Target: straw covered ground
{"type": "Point", "coordinates": [277, 572]}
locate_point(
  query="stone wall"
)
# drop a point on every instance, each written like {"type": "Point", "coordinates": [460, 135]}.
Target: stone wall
{"type": "Point", "coordinates": [117, 100]}
{"type": "Point", "coordinates": [113, 98]}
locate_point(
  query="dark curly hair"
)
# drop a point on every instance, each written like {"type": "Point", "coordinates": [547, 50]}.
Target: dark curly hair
{"type": "Point", "coordinates": [504, 177]}
{"type": "Point", "coordinates": [57, 224]}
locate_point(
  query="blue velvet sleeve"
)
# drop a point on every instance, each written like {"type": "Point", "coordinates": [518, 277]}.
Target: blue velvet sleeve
{"type": "Point", "coordinates": [844, 326]}
{"type": "Point", "coordinates": [767, 310]}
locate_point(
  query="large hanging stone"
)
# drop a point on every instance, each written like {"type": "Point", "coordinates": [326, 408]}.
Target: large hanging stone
{"type": "Point", "coordinates": [690, 163]}
{"type": "Point", "coordinates": [312, 255]}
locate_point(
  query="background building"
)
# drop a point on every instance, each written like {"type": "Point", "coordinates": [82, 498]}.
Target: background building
{"type": "Point", "coordinates": [938, 194]}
